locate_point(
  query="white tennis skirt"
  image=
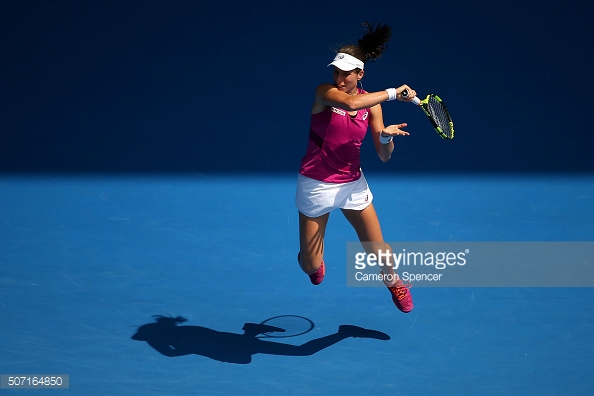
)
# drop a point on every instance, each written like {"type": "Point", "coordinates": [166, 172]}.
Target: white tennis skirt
{"type": "Point", "coordinates": [315, 198]}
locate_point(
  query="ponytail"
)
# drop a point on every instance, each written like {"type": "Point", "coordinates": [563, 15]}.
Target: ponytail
{"type": "Point", "coordinates": [372, 45]}
{"type": "Point", "coordinates": [375, 41]}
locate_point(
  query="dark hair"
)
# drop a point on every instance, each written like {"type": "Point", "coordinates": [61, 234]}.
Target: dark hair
{"type": "Point", "coordinates": [372, 45]}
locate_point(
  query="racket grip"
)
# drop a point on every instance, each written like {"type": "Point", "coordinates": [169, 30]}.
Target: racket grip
{"type": "Point", "coordinates": [414, 100]}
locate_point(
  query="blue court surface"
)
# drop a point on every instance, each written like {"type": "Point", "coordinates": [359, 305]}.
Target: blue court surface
{"type": "Point", "coordinates": [148, 232]}
{"type": "Point", "coordinates": [89, 260]}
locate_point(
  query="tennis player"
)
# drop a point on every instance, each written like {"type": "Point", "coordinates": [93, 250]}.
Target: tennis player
{"type": "Point", "coordinates": [330, 174]}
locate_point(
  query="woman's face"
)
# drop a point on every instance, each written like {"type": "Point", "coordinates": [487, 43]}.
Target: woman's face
{"type": "Point", "coordinates": [346, 81]}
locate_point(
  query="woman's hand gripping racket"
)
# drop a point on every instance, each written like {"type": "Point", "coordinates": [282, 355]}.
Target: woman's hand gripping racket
{"type": "Point", "coordinates": [438, 114]}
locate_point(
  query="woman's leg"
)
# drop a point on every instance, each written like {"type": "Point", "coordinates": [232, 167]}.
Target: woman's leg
{"type": "Point", "coordinates": [311, 241]}
{"type": "Point", "coordinates": [367, 226]}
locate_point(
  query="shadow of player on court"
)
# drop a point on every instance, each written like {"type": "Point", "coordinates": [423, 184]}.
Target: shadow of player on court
{"type": "Point", "coordinates": [168, 338]}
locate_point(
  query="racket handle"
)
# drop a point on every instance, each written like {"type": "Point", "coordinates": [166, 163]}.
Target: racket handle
{"type": "Point", "coordinates": [414, 100]}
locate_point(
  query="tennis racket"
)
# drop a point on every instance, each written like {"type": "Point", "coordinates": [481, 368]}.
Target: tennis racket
{"type": "Point", "coordinates": [437, 113]}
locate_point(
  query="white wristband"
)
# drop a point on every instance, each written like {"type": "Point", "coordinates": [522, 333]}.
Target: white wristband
{"type": "Point", "coordinates": [391, 93]}
{"type": "Point", "coordinates": [385, 140]}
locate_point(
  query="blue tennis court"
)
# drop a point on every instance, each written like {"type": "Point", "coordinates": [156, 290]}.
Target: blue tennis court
{"type": "Point", "coordinates": [141, 251]}
{"type": "Point", "coordinates": [87, 261]}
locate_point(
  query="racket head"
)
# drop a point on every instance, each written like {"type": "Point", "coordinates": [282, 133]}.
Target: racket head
{"type": "Point", "coordinates": [439, 116]}
{"type": "Point", "coordinates": [293, 326]}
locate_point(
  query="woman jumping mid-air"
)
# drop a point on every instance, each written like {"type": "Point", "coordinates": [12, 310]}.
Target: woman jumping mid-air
{"type": "Point", "coordinates": [330, 175]}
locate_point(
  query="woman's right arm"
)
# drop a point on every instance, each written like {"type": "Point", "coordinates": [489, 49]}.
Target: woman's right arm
{"type": "Point", "coordinates": [329, 95]}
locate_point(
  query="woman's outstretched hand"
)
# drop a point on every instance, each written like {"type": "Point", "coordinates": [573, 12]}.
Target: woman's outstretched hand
{"type": "Point", "coordinates": [395, 130]}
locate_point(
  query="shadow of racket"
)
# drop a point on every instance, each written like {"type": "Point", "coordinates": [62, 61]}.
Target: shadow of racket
{"type": "Point", "coordinates": [282, 326]}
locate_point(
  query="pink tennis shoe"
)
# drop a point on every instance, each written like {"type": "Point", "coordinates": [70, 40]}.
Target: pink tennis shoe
{"type": "Point", "coordinates": [317, 277]}
{"type": "Point", "coordinates": [401, 295]}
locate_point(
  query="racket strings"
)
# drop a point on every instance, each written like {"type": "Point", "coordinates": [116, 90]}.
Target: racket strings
{"type": "Point", "coordinates": [440, 116]}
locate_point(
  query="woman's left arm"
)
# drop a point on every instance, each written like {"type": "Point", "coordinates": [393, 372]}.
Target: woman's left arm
{"type": "Point", "coordinates": [376, 123]}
